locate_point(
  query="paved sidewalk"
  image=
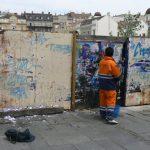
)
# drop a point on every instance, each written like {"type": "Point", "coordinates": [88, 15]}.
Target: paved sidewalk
{"type": "Point", "coordinates": [83, 130]}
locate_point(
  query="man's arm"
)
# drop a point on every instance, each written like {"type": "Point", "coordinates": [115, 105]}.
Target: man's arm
{"type": "Point", "coordinates": [116, 71]}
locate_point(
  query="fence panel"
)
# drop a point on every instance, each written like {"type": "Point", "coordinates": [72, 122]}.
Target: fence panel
{"type": "Point", "coordinates": [35, 69]}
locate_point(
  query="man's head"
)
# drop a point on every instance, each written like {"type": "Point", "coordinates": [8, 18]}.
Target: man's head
{"type": "Point", "coordinates": [109, 51]}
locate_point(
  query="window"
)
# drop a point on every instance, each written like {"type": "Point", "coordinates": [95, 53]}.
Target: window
{"type": "Point", "coordinates": [93, 32]}
{"type": "Point", "coordinates": [118, 34]}
{"type": "Point", "coordinates": [14, 27]}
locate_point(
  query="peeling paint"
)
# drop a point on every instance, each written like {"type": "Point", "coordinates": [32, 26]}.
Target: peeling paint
{"type": "Point", "coordinates": [35, 69]}
{"type": "Point", "coordinates": [138, 72]}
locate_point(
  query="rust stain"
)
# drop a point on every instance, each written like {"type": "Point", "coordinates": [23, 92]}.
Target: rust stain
{"type": "Point", "coordinates": [142, 101]}
{"type": "Point", "coordinates": [29, 34]}
{"type": "Point", "coordinates": [5, 50]}
{"type": "Point", "coordinates": [47, 45]}
{"type": "Point", "coordinates": [6, 102]}
{"type": "Point", "coordinates": [2, 105]}
{"type": "Point", "coordinates": [4, 70]}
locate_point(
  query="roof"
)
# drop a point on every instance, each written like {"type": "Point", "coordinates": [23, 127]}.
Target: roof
{"type": "Point", "coordinates": [8, 15]}
{"type": "Point", "coordinates": [89, 21]}
{"type": "Point", "coordinates": [97, 18]}
{"type": "Point", "coordinates": [86, 22]}
{"type": "Point", "coordinates": [38, 16]}
{"type": "Point", "coordinates": [148, 11]}
{"type": "Point", "coordinates": [75, 15]}
{"type": "Point", "coordinates": [97, 14]}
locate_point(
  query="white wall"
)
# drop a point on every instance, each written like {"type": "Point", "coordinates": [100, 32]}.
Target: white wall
{"type": "Point", "coordinates": [143, 30]}
{"type": "Point", "coordinates": [107, 26]}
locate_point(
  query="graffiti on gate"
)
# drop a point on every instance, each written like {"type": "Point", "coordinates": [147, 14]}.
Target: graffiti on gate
{"type": "Point", "coordinates": [139, 64]}
{"type": "Point", "coordinates": [88, 56]}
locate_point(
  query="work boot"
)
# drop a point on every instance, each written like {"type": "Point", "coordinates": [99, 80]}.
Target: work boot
{"type": "Point", "coordinates": [109, 121]}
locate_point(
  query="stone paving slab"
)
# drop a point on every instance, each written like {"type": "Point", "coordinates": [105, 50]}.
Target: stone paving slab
{"type": "Point", "coordinates": [82, 130]}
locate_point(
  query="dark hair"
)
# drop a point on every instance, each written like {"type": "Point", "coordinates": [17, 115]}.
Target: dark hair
{"type": "Point", "coordinates": [109, 51]}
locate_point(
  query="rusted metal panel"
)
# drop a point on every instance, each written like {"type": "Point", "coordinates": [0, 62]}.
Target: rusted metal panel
{"type": "Point", "coordinates": [35, 69]}
{"type": "Point", "coordinates": [138, 89]}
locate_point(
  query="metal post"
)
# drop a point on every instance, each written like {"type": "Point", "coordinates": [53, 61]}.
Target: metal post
{"type": "Point", "coordinates": [73, 72]}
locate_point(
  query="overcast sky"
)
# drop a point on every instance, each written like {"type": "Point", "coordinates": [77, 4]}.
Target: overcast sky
{"type": "Point", "coordinates": [115, 7]}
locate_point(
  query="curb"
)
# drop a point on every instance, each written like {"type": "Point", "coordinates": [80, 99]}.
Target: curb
{"type": "Point", "coordinates": [31, 112]}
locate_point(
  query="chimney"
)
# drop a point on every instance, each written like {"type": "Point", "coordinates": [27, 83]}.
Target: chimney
{"type": "Point", "coordinates": [108, 14]}
{"type": "Point", "coordinates": [32, 12]}
{"type": "Point", "coordinates": [42, 12]}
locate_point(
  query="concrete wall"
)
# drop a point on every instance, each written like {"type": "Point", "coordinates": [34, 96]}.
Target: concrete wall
{"type": "Point", "coordinates": [35, 69]}
{"type": "Point", "coordinates": [138, 89]}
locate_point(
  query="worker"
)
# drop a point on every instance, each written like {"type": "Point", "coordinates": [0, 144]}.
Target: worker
{"type": "Point", "coordinates": [109, 75]}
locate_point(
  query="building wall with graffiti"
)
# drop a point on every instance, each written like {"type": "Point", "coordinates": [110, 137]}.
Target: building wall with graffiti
{"type": "Point", "coordinates": [89, 53]}
{"type": "Point", "coordinates": [35, 69]}
{"type": "Point", "coordinates": [138, 81]}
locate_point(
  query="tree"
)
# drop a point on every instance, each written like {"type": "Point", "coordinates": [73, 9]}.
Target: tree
{"type": "Point", "coordinates": [129, 25]}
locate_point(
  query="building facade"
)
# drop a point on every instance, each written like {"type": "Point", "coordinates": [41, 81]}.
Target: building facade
{"type": "Point", "coordinates": [39, 21]}
{"type": "Point", "coordinates": [68, 22]}
{"type": "Point", "coordinates": [146, 18]}
{"type": "Point", "coordinates": [60, 23]}
{"type": "Point", "coordinates": [99, 25]}
{"type": "Point", "coordinates": [142, 29]}
{"type": "Point", "coordinates": [13, 22]}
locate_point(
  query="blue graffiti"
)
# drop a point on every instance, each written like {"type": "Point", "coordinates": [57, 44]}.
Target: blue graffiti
{"type": "Point", "coordinates": [18, 92]}
{"type": "Point", "coordinates": [144, 76]}
{"type": "Point", "coordinates": [85, 51]}
{"type": "Point", "coordinates": [14, 79]}
{"type": "Point", "coordinates": [23, 64]}
{"type": "Point", "coordinates": [139, 50]}
{"type": "Point", "coordinates": [10, 61]}
{"type": "Point", "coordinates": [38, 39]}
{"type": "Point", "coordinates": [61, 48]}
{"type": "Point", "coordinates": [132, 45]}
{"type": "Point", "coordinates": [143, 65]}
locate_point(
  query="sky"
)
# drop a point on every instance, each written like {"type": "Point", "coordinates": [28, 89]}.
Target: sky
{"type": "Point", "coordinates": [115, 7]}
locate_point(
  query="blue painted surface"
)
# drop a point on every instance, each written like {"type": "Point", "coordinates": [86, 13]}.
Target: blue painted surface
{"type": "Point", "coordinates": [60, 48]}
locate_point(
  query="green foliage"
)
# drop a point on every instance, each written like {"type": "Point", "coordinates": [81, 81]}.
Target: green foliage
{"type": "Point", "coordinates": [130, 25]}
